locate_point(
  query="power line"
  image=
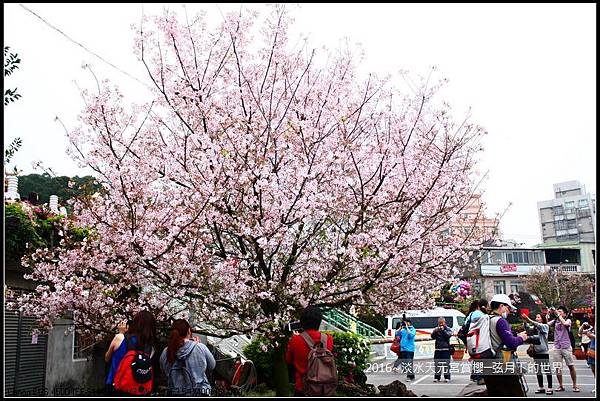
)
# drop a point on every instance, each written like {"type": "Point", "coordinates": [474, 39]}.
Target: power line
{"type": "Point", "coordinates": [82, 46]}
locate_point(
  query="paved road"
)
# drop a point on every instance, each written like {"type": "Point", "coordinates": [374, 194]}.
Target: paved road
{"type": "Point", "coordinates": [424, 384]}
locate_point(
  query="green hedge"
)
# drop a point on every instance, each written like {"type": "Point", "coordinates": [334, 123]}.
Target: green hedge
{"type": "Point", "coordinates": [351, 356]}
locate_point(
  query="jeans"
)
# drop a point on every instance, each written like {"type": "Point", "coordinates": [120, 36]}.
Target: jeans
{"type": "Point", "coordinates": [407, 358]}
{"type": "Point", "coordinates": [542, 365]}
{"type": "Point", "coordinates": [442, 364]}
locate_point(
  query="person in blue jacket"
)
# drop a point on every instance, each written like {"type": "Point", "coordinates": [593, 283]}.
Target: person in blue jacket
{"type": "Point", "coordinates": [407, 346]}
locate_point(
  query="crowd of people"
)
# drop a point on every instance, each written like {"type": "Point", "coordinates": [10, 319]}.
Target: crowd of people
{"type": "Point", "coordinates": [503, 344]}
{"type": "Point", "coordinates": [131, 355]}
{"type": "Point", "coordinates": [185, 361]}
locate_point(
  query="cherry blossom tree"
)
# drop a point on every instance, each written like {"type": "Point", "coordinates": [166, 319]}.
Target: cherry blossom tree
{"type": "Point", "coordinates": [260, 177]}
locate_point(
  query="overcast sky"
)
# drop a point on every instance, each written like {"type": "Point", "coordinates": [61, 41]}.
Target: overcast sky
{"type": "Point", "coordinates": [528, 72]}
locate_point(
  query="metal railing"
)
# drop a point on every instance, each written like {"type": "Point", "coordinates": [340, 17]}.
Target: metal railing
{"type": "Point", "coordinates": [565, 267]}
{"type": "Point", "coordinates": [347, 322]}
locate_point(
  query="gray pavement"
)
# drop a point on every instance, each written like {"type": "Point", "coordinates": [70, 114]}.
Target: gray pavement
{"type": "Point", "coordinates": [424, 384]}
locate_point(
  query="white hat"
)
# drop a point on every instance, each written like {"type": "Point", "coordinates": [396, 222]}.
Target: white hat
{"type": "Point", "coordinates": [503, 299]}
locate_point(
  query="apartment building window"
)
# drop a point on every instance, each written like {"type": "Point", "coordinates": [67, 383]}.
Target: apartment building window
{"type": "Point", "coordinates": [557, 210]}
{"type": "Point", "coordinates": [584, 212]}
{"type": "Point", "coordinates": [569, 204]}
{"type": "Point", "coordinates": [518, 257]}
{"type": "Point", "coordinates": [583, 203]}
{"type": "Point", "coordinates": [499, 287]}
{"type": "Point", "coordinates": [484, 257]}
{"type": "Point", "coordinates": [509, 257]}
{"type": "Point", "coordinates": [561, 225]}
{"type": "Point", "coordinates": [571, 223]}
{"type": "Point", "coordinates": [497, 257]}
{"type": "Point", "coordinates": [516, 286]}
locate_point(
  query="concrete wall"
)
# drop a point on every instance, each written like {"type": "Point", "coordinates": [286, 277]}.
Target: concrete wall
{"type": "Point", "coordinates": [66, 377]}
{"type": "Point", "coordinates": [587, 260]}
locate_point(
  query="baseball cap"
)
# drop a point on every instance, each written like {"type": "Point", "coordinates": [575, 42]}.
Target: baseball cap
{"type": "Point", "coordinates": [503, 299]}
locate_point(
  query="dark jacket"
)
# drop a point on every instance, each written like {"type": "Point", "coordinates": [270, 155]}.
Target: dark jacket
{"type": "Point", "coordinates": [442, 338]}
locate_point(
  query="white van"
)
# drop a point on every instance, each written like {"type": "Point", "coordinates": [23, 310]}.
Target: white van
{"type": "Point", "coordinates": [424, 321]}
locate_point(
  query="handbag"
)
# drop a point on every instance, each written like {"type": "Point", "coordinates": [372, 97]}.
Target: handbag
{"type": "Point", "coordinates": [591, 353]}
{"type": "Point", "coordinates": [531, 350]}
{"type": "Point", "coordinates": [395, 348]}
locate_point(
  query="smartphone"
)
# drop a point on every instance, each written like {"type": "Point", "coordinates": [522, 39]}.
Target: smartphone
{"type": "Point", "coordinates": [293, 326]}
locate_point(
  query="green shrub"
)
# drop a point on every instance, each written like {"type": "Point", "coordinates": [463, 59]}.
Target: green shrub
{"type": "Point", "coordinates": [260, 352]}
{"type": "Point", "coordinates": [20, 230]}
{"type": "Point", "coordinates": [31, 227]}
{"type": "Point", "coordinates": [351, 356]}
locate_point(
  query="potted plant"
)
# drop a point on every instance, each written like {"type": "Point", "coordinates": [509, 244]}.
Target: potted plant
{"type": "Point", "coordinates": [459, 352]}
{"type": "Point", "coordinates": [578, 352]}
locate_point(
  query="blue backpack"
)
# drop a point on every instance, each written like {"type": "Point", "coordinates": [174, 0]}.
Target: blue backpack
{"type": "Point", "coordinates": [180, 379]}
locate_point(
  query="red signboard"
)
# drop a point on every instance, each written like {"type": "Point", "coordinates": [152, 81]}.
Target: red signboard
{"type": "Point", "coordinates": [508, 268]}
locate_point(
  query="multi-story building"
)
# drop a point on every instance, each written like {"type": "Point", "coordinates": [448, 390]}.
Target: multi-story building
{"type": "Point", "coordinates": [568, 233]}
{"type": "Point", "coordinates": [502, 267]}
{"type": "Point", "coordinates": [473, 216]}
{"type": "Point", "coordinates": [570, 216]}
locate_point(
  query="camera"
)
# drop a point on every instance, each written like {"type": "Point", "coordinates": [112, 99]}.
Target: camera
{"type": "Point", "coordinates": [292, 326]}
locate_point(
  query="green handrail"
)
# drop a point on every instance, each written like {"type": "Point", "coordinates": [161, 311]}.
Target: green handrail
{"type": "Point", "coordinates": [347, 322]}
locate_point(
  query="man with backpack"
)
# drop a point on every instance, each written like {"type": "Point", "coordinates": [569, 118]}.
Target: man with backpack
{"type": "Point", "coordinates": [476, 310]}
{"type": "Point", "coordinates": [489, 339]}
{"type": "Point", "coordinates": [310, 353]}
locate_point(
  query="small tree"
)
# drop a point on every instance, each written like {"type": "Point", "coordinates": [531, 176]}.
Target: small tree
{"type": "Point", "coordinates": [556, 288]}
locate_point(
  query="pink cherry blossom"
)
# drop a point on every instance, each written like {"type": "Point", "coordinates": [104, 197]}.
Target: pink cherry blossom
{"type": "Point", "coordinates": [257, 179]}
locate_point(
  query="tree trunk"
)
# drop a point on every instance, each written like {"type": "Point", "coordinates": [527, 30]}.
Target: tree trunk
{"type": "Point", "coordinates": [280, 370]}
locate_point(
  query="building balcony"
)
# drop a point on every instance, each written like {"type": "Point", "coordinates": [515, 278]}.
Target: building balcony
{"type": "Point", "coordinates": [566, 268]}
{"type": "Point", "coordinates": [524, 269]}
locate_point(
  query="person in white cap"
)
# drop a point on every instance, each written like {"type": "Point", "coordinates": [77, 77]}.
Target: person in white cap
{"type": "Point", "coordinates": [501, 335]}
